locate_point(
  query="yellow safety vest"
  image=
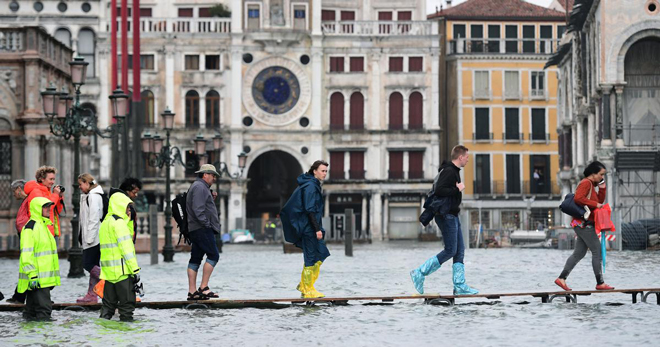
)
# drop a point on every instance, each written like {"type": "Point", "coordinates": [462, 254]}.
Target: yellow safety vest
{"type": "Point", "coordinates": [118, 259]}
{"type": "Point", "coordinates": [39, 259]}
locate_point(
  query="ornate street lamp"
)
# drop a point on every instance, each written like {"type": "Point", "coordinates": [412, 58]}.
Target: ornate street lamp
{"type": "Point", "coordinates": [167, 156]}
{"type": "Point", "coordinates": [67, 119]}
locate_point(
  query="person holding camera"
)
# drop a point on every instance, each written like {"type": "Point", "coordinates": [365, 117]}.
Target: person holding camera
{"type": "Point", "coordinates": [45, 177]}
{"type": "Point", "coordinates": [119, 266]}
{"type": "Point", "coordinates": [587, 196]}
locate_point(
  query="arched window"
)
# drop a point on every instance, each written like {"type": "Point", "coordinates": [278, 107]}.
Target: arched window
{"type": "Point", "coordinates": [337, 111]}
{"type": "Point", "coordinates": [212, 109]}
{"type": "Point", "coordinates": [357, 111]}
{"type": "Point", "coordinates": [148, 101]}
{"type": "Point", "coordinates": [396, 111]}
{"type": "Point", "coordinates": [86, 49]}
{"type": "Point", "coordinates": [416, 111]}
{"type": "Point", "coordinates": [192, 109]}
{"type": "Point", "coordinates": [63, 35]}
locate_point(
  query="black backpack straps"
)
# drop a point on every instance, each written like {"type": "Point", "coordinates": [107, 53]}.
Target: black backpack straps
{"type": "Point", "coordinates": [30, 224]}
{"type": "Point", "coordinates": [116, 217]}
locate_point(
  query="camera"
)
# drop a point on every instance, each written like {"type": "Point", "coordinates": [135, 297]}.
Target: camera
{"type": "Point", "coordinates": [62, 189]}
{"type": "Point", "coordinates": [138, 289]}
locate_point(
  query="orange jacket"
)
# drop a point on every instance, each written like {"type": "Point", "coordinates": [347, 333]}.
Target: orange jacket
{"type": "Point", "coordinates": [582, 192]}
{"type": "Point", "coordinates": [34, 189]}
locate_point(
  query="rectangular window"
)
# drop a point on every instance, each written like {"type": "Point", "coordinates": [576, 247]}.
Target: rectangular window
{"type": "Point", "coordinates": [192, 162]}
{"type": "Point", "coordinates": [529, 38]}
{"type": "Point", "coordinates": [347, 16]}
{"type": "Point", "coordinates": [538, 84]}
{"type": "Point", "coordinates": [212, 62]}
{"type": "Point", "coordinates": [357, 64]}
{"type": "Point", "coordinates": [299, 17]}
{"type": "Point", "coordinates": [538, 124]}
{"type": "Point", "coordinates": [337, 165]}
{"type": "Point", "coordinates": [185, 13]}
{"type": "Point", "coordinates": [336, 64]}
{"type": "Point", "coordinates": [511, 35]}
{"type": "Point", "coordinates": [481, 124]}
{"type": "Point", "coordinates": [511, 85]}
{"type": "Point", "coordinates": [561, 29]}
{"type": "Point", "coordinates": [384, 28]}
{"type": "Point", "coordinates": [459, 33]}
{"type": "Point", "coordinates": [545, 32]}
{"type": "Point", "coordinates": [146, 62]}
{"type": "Point", "coordinates": [357, 165]}
{"type": "Point", "coordinates": [396, 64]}
{"type": "Point", "coordinates": [205, 12]}
{"type": "Point", "coordinates": [510, 220]}
{"type": "Point", "coordinates": [481, 85]}
{"type": "Point", "coordinates": [145, 12]}
{"type": "Point", "coordinates": [396, 165]}
{"type": "Point", "coordinates": [512, 124]}
{"type": "Point", "coordinates": [416, 164]}
{"type": "Point", "coordinates": [513, 174]}
{"type": "Point", "coordinates": [415, 64]}
{"type": "Point", "coordinates": [253, 17]}
{"type": "Point", "coordinates": [494, 36]}
{"type": "Point", "coordinates": [192, 62]}
{"type": "Point", "coordinates": [476, 37]}
{"type": "Point", "coordinates": [482, 168]}
{"type": "Point", "coordinates": [403, 16]}
{"type": "Point", "coordinates": [539, 166]}
{"type": "Point", "coordinates": [328, 15]}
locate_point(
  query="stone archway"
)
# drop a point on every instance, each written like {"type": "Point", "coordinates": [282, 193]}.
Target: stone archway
{"type": "Point", "coordinates": [272, 179]}
{"type": "Point", "coordinates": [642, 92]}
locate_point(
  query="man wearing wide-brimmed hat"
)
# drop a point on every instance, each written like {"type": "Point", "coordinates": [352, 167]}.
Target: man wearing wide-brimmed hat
{"type": "Point", "coordinates": [203, 224]}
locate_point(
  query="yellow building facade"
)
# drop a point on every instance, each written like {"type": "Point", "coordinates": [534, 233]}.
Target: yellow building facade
{"type": "Point", "coordinates": [498, 101]}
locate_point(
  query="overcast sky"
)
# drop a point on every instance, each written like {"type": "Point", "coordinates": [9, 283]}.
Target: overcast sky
{"type": "Point", "coordinates": [431, 4]}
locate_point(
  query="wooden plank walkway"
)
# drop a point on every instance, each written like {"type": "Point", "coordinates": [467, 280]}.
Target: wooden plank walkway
{"type": "Point", "coordinates": [434, 299]}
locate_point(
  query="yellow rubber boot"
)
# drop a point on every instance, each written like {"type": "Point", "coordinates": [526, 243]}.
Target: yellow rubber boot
{"type": "Point", "coordinates": [308, 283]}
{"type": "Point", "coordinates": [300, 287]}
{"type": "Point", "coordinates": [317, 270]}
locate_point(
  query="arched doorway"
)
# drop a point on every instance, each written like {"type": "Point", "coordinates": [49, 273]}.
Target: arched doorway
{"type": "Point", "coordinates": [272, 179]}
{"type": "Point", "coordinates": [642, 92]}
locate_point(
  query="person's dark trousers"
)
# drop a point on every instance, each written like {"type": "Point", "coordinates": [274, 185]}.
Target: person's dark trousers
{"type": "Point", "coordinates": [119, 296]}
{"type": "Point", "coordinates": [18, 297]}
{"type": "Point", "coordinates": [452, 236]}
{"type": "Point", "coordinates": [314, 250]}
{"type": "Point", "coordinates": [1, 296]}
{"type": "Point", "coordinates": [38, 305]}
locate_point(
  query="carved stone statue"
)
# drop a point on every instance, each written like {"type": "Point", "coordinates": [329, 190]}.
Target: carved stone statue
{"type": "Point", "coordinates": [276, 15]}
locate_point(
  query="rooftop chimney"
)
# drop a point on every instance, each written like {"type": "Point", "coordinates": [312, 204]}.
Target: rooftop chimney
{"type": "Point", "coordinates": [448, 3]}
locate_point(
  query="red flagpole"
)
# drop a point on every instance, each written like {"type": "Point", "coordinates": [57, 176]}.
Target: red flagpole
{"type": "Point", "coordinates": [124, 46]}
{"type": "Point", "coordinates": [136, 50]}
{"type": "Point", "coordinates": [113, 44]}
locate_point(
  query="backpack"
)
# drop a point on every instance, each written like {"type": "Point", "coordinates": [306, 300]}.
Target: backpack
{"type": "Point", "coordinates": [106, 202]}
{"type": "Point", "coordinates": [180, 215]}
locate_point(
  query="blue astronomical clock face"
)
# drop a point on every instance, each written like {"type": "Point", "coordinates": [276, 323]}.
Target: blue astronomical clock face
{"type": "Point", "coordinates": [276, 90]}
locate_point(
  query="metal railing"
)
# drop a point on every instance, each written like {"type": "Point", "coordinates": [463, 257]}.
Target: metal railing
{"type": "Point", "coordinates": [513, 137]}
{"type": "Point", "coordinates": [503, 46]}
{"type": "Point", "coordinates": [180, 25]}
{"type": "Point", "coordinates": [482, 136]}
{"type": "Point", "coordinates": [378, 28]}
{"type": "Point", "coordinates": [539, 137]}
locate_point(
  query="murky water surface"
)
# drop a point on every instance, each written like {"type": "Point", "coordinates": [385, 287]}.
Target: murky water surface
{"type": "Point", "coordinates": [377, 269]}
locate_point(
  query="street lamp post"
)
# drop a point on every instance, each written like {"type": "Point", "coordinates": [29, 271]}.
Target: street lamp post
{"type": "Point", "coordinates": [68, 119]}
{"type": "Point", "coordinates": [167, 156]}
{"type": "Point", "coordinates": [221, 167]}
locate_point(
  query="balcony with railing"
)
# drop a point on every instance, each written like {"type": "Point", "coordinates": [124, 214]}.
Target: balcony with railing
{"type": "Point", "coordinates": [512, 137]}
{"type": "Point", "coordinates": [379, 28]}
{"type": "Point", "coordinates": [34, 39]}
{"type": "Point", "coordinates": [539, 137]}
{"type": "Point", "coordinates": [502, 46]}
{"type": "Point", "coordinates": [180, 25]}
{"type": "Point", "coordinates": [482, 136]}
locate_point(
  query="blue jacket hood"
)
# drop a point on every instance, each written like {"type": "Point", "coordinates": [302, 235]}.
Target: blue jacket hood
{"type": "Point", "coordinates": [306, 178]}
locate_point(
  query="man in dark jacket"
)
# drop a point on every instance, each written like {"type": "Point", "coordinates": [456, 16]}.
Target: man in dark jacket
{"type": "Point", "coordinates": [448, 184]}
{"type": "Point", "coordinates": [203, 224]}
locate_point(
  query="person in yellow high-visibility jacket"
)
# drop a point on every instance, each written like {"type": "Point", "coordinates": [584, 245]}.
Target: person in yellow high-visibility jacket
{"type": "Point", "coordinates": [39, 266]}
{"type": "Point", "coordinates": [119, 266]}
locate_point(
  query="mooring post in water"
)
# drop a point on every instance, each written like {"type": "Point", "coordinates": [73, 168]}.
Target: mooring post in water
{"type": "Point", "coordinates": [153, 230]}
{"type": "Point", "coordinates": [348, 231]}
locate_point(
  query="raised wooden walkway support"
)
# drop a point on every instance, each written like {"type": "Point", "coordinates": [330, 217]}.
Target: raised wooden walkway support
{"type": "Point", "coordinates": [433, 299]}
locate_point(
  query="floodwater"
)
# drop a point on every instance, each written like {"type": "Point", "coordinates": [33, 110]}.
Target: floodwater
{"type": "Point", "coordinates": [249, 271]}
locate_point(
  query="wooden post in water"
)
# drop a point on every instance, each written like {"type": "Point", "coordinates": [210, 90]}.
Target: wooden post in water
{"type": "Point", "coordinates": [153, 231]}
{"type": "Point", "coordinates": [348, 231]}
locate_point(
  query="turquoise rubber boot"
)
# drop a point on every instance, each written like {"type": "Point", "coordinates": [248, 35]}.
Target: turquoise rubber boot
{"type": "Point", "coordinates": [460, 288]}
{"type": "Point", "coordinates": [417, 275]}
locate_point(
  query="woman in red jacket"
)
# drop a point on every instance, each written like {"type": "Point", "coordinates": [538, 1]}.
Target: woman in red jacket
{"type": "Point", "coordinates": [45, 177]}
{"type": "Point", "coordinates": [587, 196]}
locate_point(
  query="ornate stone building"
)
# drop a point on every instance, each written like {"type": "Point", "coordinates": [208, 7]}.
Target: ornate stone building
{"type": "Point", "coordinates": [608, 105]}
{"type": "Point", "coordinates": [30, 60]}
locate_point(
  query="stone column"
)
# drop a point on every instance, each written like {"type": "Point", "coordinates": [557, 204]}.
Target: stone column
{"type": "Point", "coordinates": [591, 136]}
{"type": "Point", "coordinates": [316, 18]}
{"type": "Point", "coordinates": [32, 150]}
{"type": "Point", "coordinates": [18, 145]}
{"type": "Point", "coordinates": [237, 204]}
{"type": "Point", "coordinates": [580, 142]}
{"type": "Point", "coordinates": [386, 218]}
{"type": "Point", "coordinates": [326, 205]}
{"type": "Point", "coordinates": [169, 78]}
{"type": "Point", "coordinates": [364, 213]}
{"type": "Point", "coordinates": [202, 109]}
{"type": "Point", "coordinates": [607, 117]}
{"type": "Point", "coordinates": [619, 115]}
{"type": "Point", "coordinates": [406, 112]}
{"type": "Point", "coordinates": [236, 87]}
{"type": "Point", "coordinates": [223, 215]}
{"type": "Point", "coordinates": [375, 121]}
{"type": "Point", "coordinates": [317, 82]}
{"type": "Point", "coordinates": [376, 215]}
